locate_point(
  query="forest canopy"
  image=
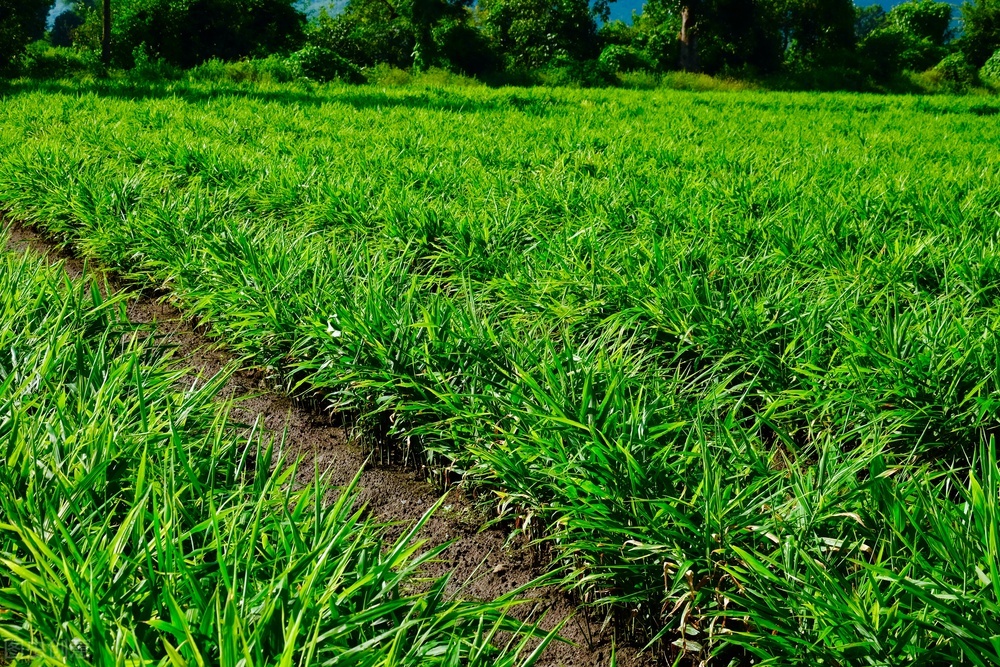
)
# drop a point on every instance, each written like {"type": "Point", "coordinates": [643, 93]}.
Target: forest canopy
{"type": "Point", "coordinates": [817, 43]}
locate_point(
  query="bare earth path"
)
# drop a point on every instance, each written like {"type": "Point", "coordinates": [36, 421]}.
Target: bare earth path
{"type": "Point", "coordinates": [478, 560]}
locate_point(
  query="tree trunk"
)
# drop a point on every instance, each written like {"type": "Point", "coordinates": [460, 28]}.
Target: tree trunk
{"type": "Point", "coordinates": [423, 48]}
{"type": "Point", "coordinates": [106, 33]}
{"type": "Point", "coordinates": [423, 15]}
{"type": "Point", "coordinates": [689, 39]}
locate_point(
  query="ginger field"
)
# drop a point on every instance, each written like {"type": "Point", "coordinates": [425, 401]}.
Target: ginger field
{"type": "Point", "coordinates": [731, 357]}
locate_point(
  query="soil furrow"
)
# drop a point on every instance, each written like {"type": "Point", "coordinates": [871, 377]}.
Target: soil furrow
{"type": "Point", "coordinates": [481, 563]}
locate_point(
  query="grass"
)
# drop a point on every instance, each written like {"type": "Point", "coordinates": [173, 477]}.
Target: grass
{"type": "Point", "coordinates": [732, 355]}
{"type": "Point", "coordinates": [140, 527]}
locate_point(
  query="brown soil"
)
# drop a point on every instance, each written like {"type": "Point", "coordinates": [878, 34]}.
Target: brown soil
{"type": "Point", "coordinates": [481, 562]}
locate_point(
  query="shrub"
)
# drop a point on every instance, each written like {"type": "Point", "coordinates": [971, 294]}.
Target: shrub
{"type": "Point", "coordinates": [578, 74]}
{"type": "Point", "coordinates": [640, 80]}
{"type": "Point", "coordinates": [20, 23]}
{"type": "Point", "coordinates": [618, 58]}
{"type": "Point", "coordinates": [437, 76]}
{"type": "Point", "coordinates": [957, 74]}
{"type": "Point", "coordinates": [42, 60]}
{"type": "Point", "coordinates": [323, 64]}
{"type": "Point", "coordinates": [826, 78]}
{"type": "Point", "coordinates": [148, 68]}
{"type": "Point", "coordinates": [701, 82]}
{"type": "Point", "coordinates": [991, 70]}
{"type": "Point", "coordinates": [463, 48]}
{"type": "Point", "coordinates": [386, 75]}
{"type": "Point", "coordinates": [273, 69]}
{"type": "Point", "coordinates": [882, 52]}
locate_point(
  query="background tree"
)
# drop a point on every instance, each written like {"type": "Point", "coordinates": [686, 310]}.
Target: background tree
{"type": "Point", "coordinates": [66, 25]}
{"type": "Point", "coordinates": [817, 32]}
{"type": "Point", "coordinates": [106, 32]}
{"type": "Point", "coordinates": [687, 36]}
{"type": "Point", "coordinates": [535, 33]}
{"type": "Point", "coordinates": [652, 37]}
{"type": "Point", "coordinates": [188, 32]}
{"type": "Point", "coordinates": [404, 33]}
{"type": "Point", "coordinates": [981, 30]}
{"type": "Point", "coordinates": [867, 20]}
{"type": "Point", "coordinates": [737, 36]}
{"type": "Point", "coordinates": [625, 48]}
{"type": "Point", "coordinates": [913, 36]}
{"type": "Point", "coordinates": [462, 46]}
{"type": "Point", "coordinates": [366, 33]}
{"type": "Point", "coordinates": [724, 35]}
{"type": "Point", "coordinates": [21, 22]}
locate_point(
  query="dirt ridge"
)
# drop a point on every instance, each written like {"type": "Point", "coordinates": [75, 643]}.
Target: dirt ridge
{"type": "Point", "coordinates": [481, 563]}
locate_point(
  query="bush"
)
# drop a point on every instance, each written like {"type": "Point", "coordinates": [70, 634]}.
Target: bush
{"type": "Point", "coordinates": [826, 78]}
{"type": "Point", "coordinates": [365, 43]}
{"type": "Point", "coordinates": [957, 74]}
{"type": "Point", "coordinates": [189, 33]}
{"type": "Point", "coordinates": [437, 77]}
{"type": "Point", "coordinates": [148, 68]}
{"type": "Point", "coordinates": [882, 52]}
{"type": "Point", "coordinates": [273, 69]}
{"type": "Point", "coordinates": [320, 63]}
{"type": "Point", "coordinates": [20, 24]}
{"type": "Point", "coordinates": [463, 48]}
{"type": "Point", "coordinates": [931, 81]}
{"type": "Point", "coordinates": [578, 74]}
{"type": "Point", "coordinates": [42, 60]}
{"type": "Point", "coordinates": [639, 80]}
{"type": "Point", "coordinates": [701, 82]}
{"type": "Point", "coordinates": [386, 75]}
{"type": "Point", "coordinates": [991, 70]}
{"type": "Point", "coordinates": [618, 58]}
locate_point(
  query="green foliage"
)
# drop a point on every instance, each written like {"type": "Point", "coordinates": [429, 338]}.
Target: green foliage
{"type": "Point", "coordinates": [956, 72]}
{"type": "Point", "coordinates": [867, 20]}
{"type": "Point", "coordinates": [733, 36]}
{"type": "Point", "coordinates": [700, 82]}
{"type": "Point", "coordinates": [322, 64]}
{"type": "Point", "coordinates": [405, 33]}
{"type": "Point", "coordinates": [42, 60]}
{"type": "Point", "coordinates": [801, 44]}
{"type": "Point", "coordinates": [537, 33]}
{"type": "Point", "coordinates": [652, 37]}
{"type": "Point", "coordinates": [728, 365]}
{"type": "Point", "coordinates": [140, 526]}
{"type": "Point", "coordinates": [912, 569]}
{"type": "Point", "coordinates": [65, 27]}
{"type": "Point", "coordinates": [366, 34]}
{"type": "Point", "coordinates": [462, 47]}
{"type": "Point", "coordinates": [187, 33]}
{"type": "Point", "coordinates": [384, 75]}
{"type": "Point", "coordinates": [991, 70]}
{"type": "Point", "coordinates": [928, 20]}
{"type": "Point", "coordinates": [980, 30]}
{"type": "Point", "coordinates": [151, 68]}
{"type": "Point", "coordinates": [21, 22]}
{"type": "Point", "coordinates": [882, 50]}
{"type": "Point", "coordinates": [818, 33]}
{"type": "Point", "coordinates": [578, 74]}
{"type": "Point", "coordinates": [624, 59]}
{"type": "Point", "coordinates": [273, 69]}
{"type": "Point", "coordinates": [912, 36]}
{"type": "Point", "coordinates": [80, 26]}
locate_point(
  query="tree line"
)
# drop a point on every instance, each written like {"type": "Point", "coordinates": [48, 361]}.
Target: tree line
{"type": "Point", "coordinates": [512, 38]}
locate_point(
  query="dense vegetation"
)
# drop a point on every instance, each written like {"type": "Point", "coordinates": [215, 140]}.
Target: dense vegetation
{"type": "Point", "coordinates": [734, 357]}
{"type": "Point", "coordinates": [827, 44]}
{"type": "Point", "coordinates": [140, 527]}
